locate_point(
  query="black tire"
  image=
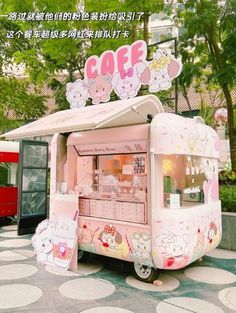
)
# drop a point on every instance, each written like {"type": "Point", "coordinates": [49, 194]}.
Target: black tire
{"type": "Point", "coordinates": [83, 256]}
{"type": "Point", "coordinates": [145, 273]}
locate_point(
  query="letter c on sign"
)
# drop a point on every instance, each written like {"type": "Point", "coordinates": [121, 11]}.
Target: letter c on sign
{"type": "Point", "coordinates": [88, 68]}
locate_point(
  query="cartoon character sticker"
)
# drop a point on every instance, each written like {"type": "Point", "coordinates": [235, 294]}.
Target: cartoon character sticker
{"type": "Point", "coordinates": [110, 237]}
{"type": "Point", "coordinates": [163, 69]}
{"type": "Point", "coordinates": [174, 249]}
{"type": "Point", "coordinates": [212, 232]}
{"type": "Point", "coordinates": [127, 83]}
{"type": "Point", "coordinates": [141, 248]}
{"type": "Point", "coordinates": [199, 243]}
{"type": "Point", "coordinates": [100, 88]}
{"type": "Point", "coordinates": [86, 237]}
{"type": "Point", "coordinates": [64, 240]}
{"type": "Point", "coordinates": [42, 242]}
{"type": "Point", "coordinates": [77, 93]}
{"type": "Point", "coordinates": [112, 243]}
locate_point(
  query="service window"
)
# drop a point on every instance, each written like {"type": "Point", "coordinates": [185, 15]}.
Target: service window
{"type": "Point", "coordinates": [189, 180]}
{"type": "Point", "coordinates": [113, 186]}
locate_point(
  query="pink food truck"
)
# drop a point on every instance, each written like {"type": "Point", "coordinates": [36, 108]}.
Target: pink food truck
{"type": "Point", "coordinates": [147, 190]}
{"type": "Point", "coordinates": [145, 182]}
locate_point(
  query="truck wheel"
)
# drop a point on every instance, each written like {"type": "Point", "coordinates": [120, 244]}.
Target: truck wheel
{"type": "Point", "coordinates": [145, 273]}
{"type": "Point", "coordinates": [83, 256]}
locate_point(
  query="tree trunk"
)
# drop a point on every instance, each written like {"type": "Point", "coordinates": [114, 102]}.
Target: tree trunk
{"type": "Point", "coordinates": [145, 27]}
{"type": "Point", "coordinates": [134, 32]}
{"type": "Point", "coordinates": [185, 94]}
{"type": "Point", "coordinates": [215, 50]}
{"type": "Point", "coordinates": [231, 126]}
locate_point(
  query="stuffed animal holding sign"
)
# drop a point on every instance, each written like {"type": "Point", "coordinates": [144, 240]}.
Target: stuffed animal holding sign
{"type": "Point", "coordinates": [127, 83]}
{"type": "Point", "coordinates": [42, 242]}
{"type": "Point", "coordinates": [77, 93]}
{"type": "Point", "coordinates": [100, 88]}
{"type": "Point", "coordinates": [163, 69]}
{"type": "Point", "coordinates": [64, 239]}
{"type": "Point", "coordinates": [174, 249]}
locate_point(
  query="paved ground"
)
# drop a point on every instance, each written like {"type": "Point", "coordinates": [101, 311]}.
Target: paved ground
{"type": "Point", "coordinates": [102, 286]}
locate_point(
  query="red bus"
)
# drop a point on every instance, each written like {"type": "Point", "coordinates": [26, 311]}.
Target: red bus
{"type": "Point", "coordinates": [9, 158]}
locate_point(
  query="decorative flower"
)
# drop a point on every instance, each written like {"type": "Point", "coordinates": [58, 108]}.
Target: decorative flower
{"type": "Point", "coordinates": [160, 63]}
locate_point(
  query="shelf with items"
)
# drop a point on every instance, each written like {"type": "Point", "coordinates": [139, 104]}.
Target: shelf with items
{"type": "Point", "coordinates": [123, 192]}
{"type": "Point", "coordinates": [118, 210]}
{"type": "Point", "coordinates": [113, 187]}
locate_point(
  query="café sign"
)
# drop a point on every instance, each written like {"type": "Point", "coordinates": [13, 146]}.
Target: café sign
{"type": "Point", "coordinates": [123, 71]}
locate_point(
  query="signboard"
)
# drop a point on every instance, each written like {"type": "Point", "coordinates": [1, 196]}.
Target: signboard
{"type": "Point", "coordinates": [123, 71]}
{"type": "Point", "coordinates": [112, 148]}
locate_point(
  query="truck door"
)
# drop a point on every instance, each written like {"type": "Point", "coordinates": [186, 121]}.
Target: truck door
{"type": "Point", "coordinates": [32, 196]}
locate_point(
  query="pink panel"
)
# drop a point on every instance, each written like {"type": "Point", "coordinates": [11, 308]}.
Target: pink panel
{"type": "Point", "coordinates": [173, 134]}
{"type": "Point", "coordinates": [65, 205]}
{"type": "Point", "coordinates": [112, 135]}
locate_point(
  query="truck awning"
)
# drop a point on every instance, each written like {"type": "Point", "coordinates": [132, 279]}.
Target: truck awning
{"type": "Point", "coordinates": [111, 114]}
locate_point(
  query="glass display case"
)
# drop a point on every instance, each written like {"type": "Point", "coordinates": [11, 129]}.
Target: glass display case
{"type": "Point", "coordinates": [113, 186]}
{"type": "Point", "coordinates": [185, 178]}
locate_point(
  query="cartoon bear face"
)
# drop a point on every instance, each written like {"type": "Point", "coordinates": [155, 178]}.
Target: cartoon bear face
{"type": "Point", "coordinates": [141, 244]}
{"type": "Point", "coordinates": [100, 88]}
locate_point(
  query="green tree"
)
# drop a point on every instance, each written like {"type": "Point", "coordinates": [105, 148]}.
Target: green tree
{"type": "Point", "coordinates": [47, 58]}
{"type": "Point", "coordinates": [17, 103]}
{"type": "Point", "coordinates": [209, 39]}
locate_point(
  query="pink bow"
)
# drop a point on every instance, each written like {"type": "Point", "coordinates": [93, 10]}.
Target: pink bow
{"type": "Point", "coordinates": [128, 73]}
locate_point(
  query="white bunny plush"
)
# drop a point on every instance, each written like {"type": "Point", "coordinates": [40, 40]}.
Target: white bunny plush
{"type": "Point", "coordinates": [127, 83]}
{"type": "Point", "coordinates": [163, 69]}
{"type": "Point", "coordinates": [77, 93]}
{"type": "Point", "coordinates": [42, 241]}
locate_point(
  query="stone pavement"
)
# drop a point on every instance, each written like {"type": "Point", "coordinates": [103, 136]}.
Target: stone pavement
{"type": "Point", "coordinates": [105, 285]}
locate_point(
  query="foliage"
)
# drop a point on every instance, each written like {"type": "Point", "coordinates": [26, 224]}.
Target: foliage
{"type": "Point", "coordinates": [228, 198]}
{"type": "Point", "coordinates": [17, 104]}
{"type": "Point", "coordinates": [207, 113]}
{"type": "Point", "coordinates": [46, 59]}
{"type": "Point", "coordinates": [208, 49]}
{"type": "Point", "coordinates": [227, 177]}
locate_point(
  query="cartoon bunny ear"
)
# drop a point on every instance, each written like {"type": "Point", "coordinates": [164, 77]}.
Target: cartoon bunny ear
{"type": "Point", "coordinates": [140, 67]}
{"type": "Point", "coordinates": [84, 83]}
{"type": "Point", "coordinates": [158, 54]}
{"type": "Point", "coordinates": [174, 68]}
{"type": "Point", "coordinates": [143, 72]}
{"type": "Point", "coordinates": [145, 76]}
{"type": "Point", "coordinates": [69, 86]}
